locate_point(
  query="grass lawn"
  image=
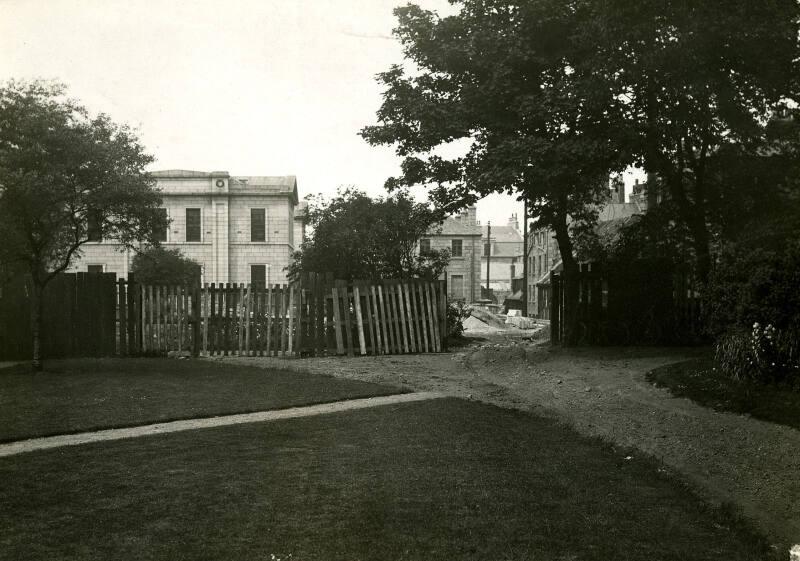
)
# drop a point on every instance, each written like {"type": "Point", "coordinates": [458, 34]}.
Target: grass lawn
{"type": "Point", "coordinates": [697, 380]}
{"type": "Point", "coordinates": [88, 394]}
{"type": "Point", "coordinates": [438, 480]}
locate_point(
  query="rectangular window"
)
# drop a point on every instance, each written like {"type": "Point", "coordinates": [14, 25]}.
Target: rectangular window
{"type": "Point", "coordinates": [457, 287]}
{"type": "Point", "coordinates": [456, 248]}
{"type": "Point", "coordinates": [424, 246]}
{"type": "Point", "coordinates": [95, 268]}
{"type": "Point", "coordinates": [486, 248]}
{"type": "Point", "coordinates": [193, 225]}
{"type": "Point", "coordinates": [258, 275]}
{"type": "Point", "coordinates": [258, 225]}
{"type": "Point", "coordinates": [161, 235]}
{"type": "Point", "coordinates": [94, 231]}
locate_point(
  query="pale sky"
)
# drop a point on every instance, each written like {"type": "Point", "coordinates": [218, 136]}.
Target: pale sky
{"type": "Point", "coordinates": [253, 87]}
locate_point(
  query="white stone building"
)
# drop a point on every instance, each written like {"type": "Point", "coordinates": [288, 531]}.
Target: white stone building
{"type": "Point", "coordinates": [240, 229]}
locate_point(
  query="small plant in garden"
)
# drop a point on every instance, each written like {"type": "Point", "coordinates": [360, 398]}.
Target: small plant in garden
{"type": "Point", "coordinates": [457, 312]}
{"type": "Point", "coordinates": [765, 354]}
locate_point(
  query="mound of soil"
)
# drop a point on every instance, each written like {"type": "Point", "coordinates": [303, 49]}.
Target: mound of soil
{"type": "Point", "coordinates": [488, 318]}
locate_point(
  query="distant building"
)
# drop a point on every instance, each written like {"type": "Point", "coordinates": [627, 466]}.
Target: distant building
{"type": "Point", "coordinates": [240, 229]}
{"type": "Point", "coordinates": [462, 236]}
{"type": "Point", "coordinates": [544, 256]}
{"type": "Point", "coordinates": [504, 262]}
{"type": "Point", "coordinates": [646, 195]}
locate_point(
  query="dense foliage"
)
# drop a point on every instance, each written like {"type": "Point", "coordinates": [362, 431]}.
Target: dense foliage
{"type": "Point", "coordinates": [500, 79]}
{"type": "Point", "coordinates": [157, 265]}
{"type": "Point", "coordinates": [358, 237]}
{"type": "Point", "coordinates": [700, 79]}
{"type": "Point", "coordinates": [549, 97]}
{"type": "Point", "coordinates": [66, 177]}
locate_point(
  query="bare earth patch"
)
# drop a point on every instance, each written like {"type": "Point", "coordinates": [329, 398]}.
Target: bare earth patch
{"type": "Point", "coordinates": [603, 392]}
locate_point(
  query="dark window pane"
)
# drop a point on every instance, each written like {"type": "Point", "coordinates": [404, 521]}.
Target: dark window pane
{"type": "Point", "coordinates": [94, 269]}
{"type": "Point", "coordinates": [457, 286]}
{"type": "Point", "coordinates": [258, 275]}
{"type": "Point", "coordinates": [456, 248]}
{"type": "Point", "coordinates": [424, 246]}
{"type": "Point", "coordinates": [161, 235]}
{"type": "Point", "coordinates": [486, 248]}
{"type": "Point", "coordinates": [94, 231]}
{"type": "Point", "coordinates": [258, 226]}
{"type": "Point", "coordinates": [193, 225]}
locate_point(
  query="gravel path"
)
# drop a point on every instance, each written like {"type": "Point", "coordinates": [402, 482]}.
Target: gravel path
{"type": "Point", "coordinates": [34, 444]}
{"type": "Point", "coordinates": [603, 392]}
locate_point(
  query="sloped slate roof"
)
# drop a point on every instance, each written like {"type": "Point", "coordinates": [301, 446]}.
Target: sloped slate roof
{"type": "Point", "coordinates": [502, 234]}
{"type": "Point", "coordinates": [608, 231]}
{"type": "Point", "coordinates": [614, 211]}
{"type": "Point", "coordinates": [505, 249]}
{"type": "Point", "coordinates": [456, 227]}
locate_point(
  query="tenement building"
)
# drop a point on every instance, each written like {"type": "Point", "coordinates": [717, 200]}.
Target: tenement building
{"type": "Point", "coordinates": [239, 229]}
{"type": "Point", "coordinates": [501, 257]}
{"type": "Point", "coordinates": [461, 235]}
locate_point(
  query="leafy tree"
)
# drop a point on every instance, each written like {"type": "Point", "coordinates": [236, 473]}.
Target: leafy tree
{"type": "Point", "coordinates": [357, 237]}
{"type": "Point", "coordinates": [62, 170]}
{"type": "Point", "coordinates": [157, 265]}
{"type": "Point", "coordinates": [700, 81]}
{"type": "Point", "coordinates": [500, 77]}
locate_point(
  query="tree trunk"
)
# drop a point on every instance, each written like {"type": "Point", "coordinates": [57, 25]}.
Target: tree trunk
{"type": "Point", "coordinates": [702, 248]}
{"type": "Point", "coordinates": [36, 326]}
{"type": "Point", "coordinates": [693, 214]}
{"type": "Point", "coordinates": [570, 265]}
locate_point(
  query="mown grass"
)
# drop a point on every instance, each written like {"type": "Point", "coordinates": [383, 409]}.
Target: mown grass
{"type": "Point", "coordinates": [439, 480]}
{"type": "Point", "coordinates": [699, 381]}
{"type": "Point", "coordinates": [89, 394]}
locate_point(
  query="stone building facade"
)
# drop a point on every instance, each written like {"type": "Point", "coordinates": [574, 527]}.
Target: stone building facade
{"type": "Point", "coordinates": [460, 234]}
{"type": "Point", "coordinates": [240, 229]}
{"type": "Point", "coordinates": [504, 261]}
{"type": "Point", "coordinates": [544, 255]}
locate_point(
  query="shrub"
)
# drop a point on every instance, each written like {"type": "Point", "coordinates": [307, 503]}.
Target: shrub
{"type": "Point", "coordinates": [457, 312]}
{"type": "Point", "coordinates": [765, 354]}
{"type": "Point", "coordinates": [749, 284]}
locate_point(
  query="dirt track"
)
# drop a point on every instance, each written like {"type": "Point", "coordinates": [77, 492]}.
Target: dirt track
{"type": "Point", "coordinates": [603, 392]}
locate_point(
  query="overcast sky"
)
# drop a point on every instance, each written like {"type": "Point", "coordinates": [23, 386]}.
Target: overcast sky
{"type": "Point", "coordinates": [254, 87]}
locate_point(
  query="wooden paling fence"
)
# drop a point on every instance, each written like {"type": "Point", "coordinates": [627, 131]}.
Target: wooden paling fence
{"type": "Point", "coordinates": [390, 317]}
{"type": "Point", "coordinates": [315, 317]}
{"type": "Point", "coordinates": [648, 303]}
{"type": "Point", "coordinates": [95, 314]}
{"type": "Point", "coordinates": [79, 317]}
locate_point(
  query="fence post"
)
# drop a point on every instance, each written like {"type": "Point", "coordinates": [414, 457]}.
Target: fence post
{"type": "Point", "coordinates": [196, 316]}
{"type": "Point", "coordinates": [444, 307]}
{"type": "Point", "coordinates": [555, 309]}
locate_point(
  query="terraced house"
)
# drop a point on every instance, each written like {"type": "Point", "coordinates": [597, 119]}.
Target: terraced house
{"type": "Point", "coordinates": [461, 234]}
{"type": "Point", "coordinates": [240, 229]}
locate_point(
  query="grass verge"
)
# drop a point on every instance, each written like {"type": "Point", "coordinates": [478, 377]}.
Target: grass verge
{"type": "Point", "coordinates": [90, 394]}
{"type": "Point", "coordinates": [439, 480]}
{"type": "Point", "coordinates": [698, 380]}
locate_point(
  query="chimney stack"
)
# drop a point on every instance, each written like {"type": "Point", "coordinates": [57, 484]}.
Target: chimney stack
{"type": "Point", "coordinates": [471, 216]}
{"type": "Point", "coordinates": [513, 222]}
{"type": "Point", "coordinates": [617, 190]}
